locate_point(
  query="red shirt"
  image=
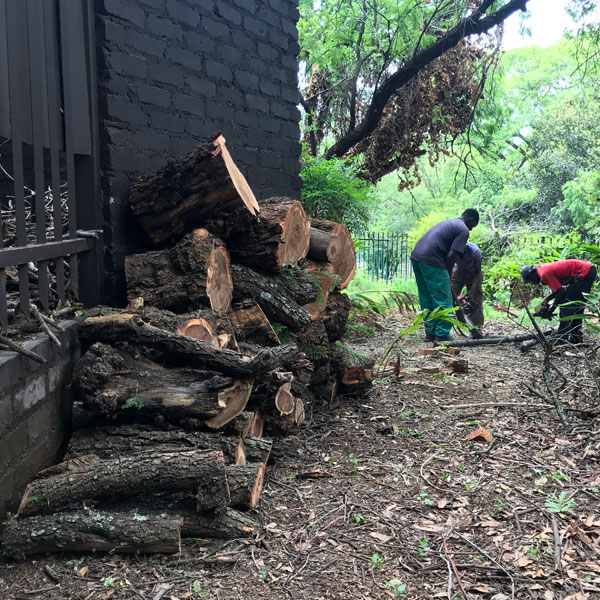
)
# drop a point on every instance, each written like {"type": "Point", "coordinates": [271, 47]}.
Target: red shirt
{"type": "Point", "coordinates": [562, 272]}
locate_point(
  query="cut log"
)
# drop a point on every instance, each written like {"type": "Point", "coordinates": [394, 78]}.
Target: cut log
{"type": "Point", "coordinates": [335, 315]}
{"type": "Point", "coordinates": [245, 484]}
{"type": "Point", "coordinates": [313, 342]}
{"type": "Point", "coordinates": [196, 271]}
{"type": "Point", "coordinates": [343, 358]}
{"type": "Point", "coordinates": [323, 275]}
{"type": "Point", "coordinates": [115, 382]}
{"type": "Point", "coordinates": [186, 193]}
{"type": "Point", "coordinates": [94, 531]}
{"type": "Point", "coordinates": [200, 471]}
{"type": "Point", "coordinates": [324, 246]}
{"type": "Point", "coordinates": [279, 237]}
{"type": "Point", "coordinates": [250, 324]}
{"type": "Point", "coordinates": [249, 423]}
{"type": "Point", "coordinates": [280, 298]}
{"type": "Point", "coordinates": [177, 350]}
{"type": "Point", "coordinates": [342, 254]}
{"type": "Point", "coordinates": [227, 525]}
{"type": "Point", "coordinates": [252, 449]}
{"type": "Point", "coordinates": [109, 442]}
{"type": "Point", "coordinates": [357, 376]}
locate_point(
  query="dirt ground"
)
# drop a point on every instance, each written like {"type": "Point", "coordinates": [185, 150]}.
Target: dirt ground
{"type": "Point", "coordinates": [384, 496]}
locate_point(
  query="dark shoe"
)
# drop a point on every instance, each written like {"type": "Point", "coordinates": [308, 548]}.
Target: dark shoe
{"type": "Point", "coordinates": [442, 339]}
{"type": "Point", "coordinates": [476, 334]}
{"type": "Point", "coordinates": [429, 337]}
{"type": "Point", "coordinates": [575, 339]}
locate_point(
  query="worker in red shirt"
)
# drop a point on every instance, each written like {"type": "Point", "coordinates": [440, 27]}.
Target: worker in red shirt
{"type": "Point", "coordinates": [569, 280]}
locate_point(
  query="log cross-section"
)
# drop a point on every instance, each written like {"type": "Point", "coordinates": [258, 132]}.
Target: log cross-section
{"type": "Point", "coordinates": [186, 193]}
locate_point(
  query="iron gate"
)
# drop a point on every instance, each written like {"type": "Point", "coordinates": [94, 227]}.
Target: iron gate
{"type": "Point", "coordinates": [384, 255]}
{"type": "Point", "coordinates": [49, 178]}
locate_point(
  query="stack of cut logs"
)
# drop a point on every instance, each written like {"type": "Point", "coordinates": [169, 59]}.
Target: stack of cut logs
{"type": "Point", "coordinates": [233, 329]}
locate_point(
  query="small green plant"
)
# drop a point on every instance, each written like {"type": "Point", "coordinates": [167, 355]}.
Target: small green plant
{"type": "Point", "coordinates": [262, 574]}
{"type": "Point", "coordinates": [197, 587]}
{"type": "Point", "coordinates": [283, 333]}
{"type": "Point", "coordinates": [423, 545]}
{"type": "Point", "coordinates": [317, 352]}
{"type": "Point", "coordinates": [476, 557]}
{"type": "Point", "coordinates": [290, 476]}
{"type": "Point", "coordinates": [470, 484]}
{"type": "Point", "coordinates": [33, 499]}
{"type": "Point", "coordinates": [109, 582]}
{"type": "Point", "coordinates": [560, 503]}
{"type": "Point", "coordinates": [531, 553]}
{"type": "Point", "coordinates": [423, 497]}
{"type": "Point", "coordinates": [397, 589]}
{"type": "Point", "coordinates": [354, 461]}
{"type": "Point", "coordinates": [444, 476]}
{"type": "Point", "coordinates": [329, 461]}
{"type": "Point", "coordinates": [462, 468]}
{"type": "Point", "coordinates": [416, 433]}
{"type": "Point", "coordinates": [358, 518]}
{"type": "Point", "coordinates": [377, 560]}
{"type": "Point", "coordinates": [144, 373]}
{"type": "Point", "coordinates": [133, 402]}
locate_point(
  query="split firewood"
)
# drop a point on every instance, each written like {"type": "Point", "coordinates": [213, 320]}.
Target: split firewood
{"type": "Point", "coordinates": [193, 272]}
{"type": "Point", "coordinates": [177, 350]}
{"type": "Point", "coordinates": [200, 471]}
{"type": "Point", "coordinates": [335, 315]}
{"type": "Point", "coordinates": [281, 298]}
{"type": "Point", "coordinates": [340, 252]}
{"type": "Point", "coordinates": [249, 423]}
{"type": "Point", "coordinates": [250, 324]}
{"type": "Point", "coordinates": [115, 382]}
{"type": "Point", "coordinates": [92, 531]}
{"type": "Point", "coordinates": [108, 442]}
{"type": "Point", "coordinates": [186, 193]}
{"type": "Point", "coordinates": [245, 484]}
{"type": "Point", "coordinates": [278, 237]}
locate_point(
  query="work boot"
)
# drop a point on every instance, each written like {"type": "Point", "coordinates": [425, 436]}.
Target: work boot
{"type": "Point", "coordinates": [476, 334]}
{"type": "Point", "coordinates": [441, 339]}
{"type": "Point", "coordinates": [429, 337]}
{"type": "Point", "coordinates": [575, 338]}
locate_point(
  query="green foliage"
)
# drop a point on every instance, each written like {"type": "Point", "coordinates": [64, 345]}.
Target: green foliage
{"type": "Point", "coordinates": [332, 190]}
{"type": "Point", "coordinates": [397, 588]}
{"type": "Point", "coordinates": [283, 333]}
{"type": "Point", "coordinates": [133, 402]}
{"type": "Point", "coordinates": [377, 560]}
{"type": "Point", "coordinates": [317, 352]}
{"type": "Point", "coordinates": [560, 503]}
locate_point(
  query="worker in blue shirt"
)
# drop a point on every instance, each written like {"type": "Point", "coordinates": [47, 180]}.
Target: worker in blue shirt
{"type": "Point", "coordinates": [467, 272]}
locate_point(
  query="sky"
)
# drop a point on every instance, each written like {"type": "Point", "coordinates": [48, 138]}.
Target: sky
{"type": "Point", "coordinates": [547, 22]}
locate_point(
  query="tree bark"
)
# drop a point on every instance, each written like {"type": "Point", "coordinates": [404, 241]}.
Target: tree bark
{"type": "Point", "coordinates": [250, 324]}
{"type": "Point", "coordinates": [323, 275]}
{"type": "Point", "coordinates": [344, 257]}
{"type": "Point", "coordinates": [94, 531]}
{"type": "Point", "coordinates": [313, 342]}
{"type": "Point", "coordinates": [187, 192]}
{"type": "Point", "coordinates": [114, 382]}
{"type": "Point", "coordinates": [335, 315]}
{"type": "Point", "coordinates": [280, 298]}
{"type": "Point", "coordinates": [245, 485]}
{"type": "Point", "coordinates": [196, 271]}
{"type": "Point", "coordinates": [279, 237]}
{"type": "Point", "coordinates": [227, 525]}
{"type": "Point", "coordinates": [177, 350]}
{"type": "Point", "coordinates": [200, 471]}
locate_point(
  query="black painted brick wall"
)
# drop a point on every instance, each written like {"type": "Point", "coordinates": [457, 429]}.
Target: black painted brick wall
{"type": "Point", "coordinates": [172, 72]}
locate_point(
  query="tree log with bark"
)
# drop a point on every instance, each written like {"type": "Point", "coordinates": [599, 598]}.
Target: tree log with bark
{"type": "Point", "coordinates": [340, 249]}
{"type": "Point", "coordinates": [188, 192]}
{"type": "Point", "coordinates": [193, 272]}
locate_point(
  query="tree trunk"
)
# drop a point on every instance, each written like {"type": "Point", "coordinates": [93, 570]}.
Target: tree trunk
{"type": "Point", "coordinates": [324, 246]}
{"type": "Point", "coordinates": [279, 237]}
{"type": "Point", "coordinates": [342, 254]}
{"type": "Point", "coordinates": [201, 471]}
{"type": "Point", "coordinates": [177, 350]}
{"type": "Point", "coordinates": [280, 297]}
{"type": "Point", "coordinates": [250, 324]}
{"type": "Point", "coordinates": [195, 271]}
{"type": "Point", "coordinates": [115, 382]}
{"type": "Point", "coordinates": [335, 316]}
{"type": "Point", "coordinates": [93, 531]}
{"type": "Point", "coordinates": [324, 277]}
{"type": "Point", "coordinates": [245, 484]}
{"type": "Point", "coordinates": [187, 192]}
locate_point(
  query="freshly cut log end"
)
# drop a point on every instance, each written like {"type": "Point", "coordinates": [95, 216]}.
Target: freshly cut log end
{"type": "Point", "coordinates": [233, 401]}
{"type": "Point", "coordinates": [284, 399]}
{"type": "Point", "coordinates": [295, 236]}
{"type": "Point", "coordinates": [219, 284]}
{"type": "Point", "coordinates": [92, 531]}
{"type": "Point", "coordinates": [245, 484]}
{"type": "Point", "coordinates": [250, 424]}
{"type": "Point", "coordinates": [199, 329]}
{"type": "Point", "coordinates": [342, 254]}
{"type": "Point", "coordinates": [356, 376]}
{"type": "Point", "coordinates": [190, 191]}
{"type": "Point", "coordinates": [299, 412]}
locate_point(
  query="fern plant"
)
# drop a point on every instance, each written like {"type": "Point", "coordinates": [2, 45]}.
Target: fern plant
{"type": "Point", "coordinates": [559, 504]}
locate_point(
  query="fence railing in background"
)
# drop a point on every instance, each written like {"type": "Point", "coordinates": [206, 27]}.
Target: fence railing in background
{"type": "Point", "coordinates": [384, 255]}
{"type": "Point", "coordinates": [49, 169]}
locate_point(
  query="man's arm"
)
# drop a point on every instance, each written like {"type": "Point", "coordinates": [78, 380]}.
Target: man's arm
{"type": "Point", "coordinates": [451, 259]}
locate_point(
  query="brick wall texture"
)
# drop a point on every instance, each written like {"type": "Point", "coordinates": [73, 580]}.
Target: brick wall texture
{"type": "Point", "coordinates": [172, 72]}
{"type": "Point", "coordinates": [35, 412]}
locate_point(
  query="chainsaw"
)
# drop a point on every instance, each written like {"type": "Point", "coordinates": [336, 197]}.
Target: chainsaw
{"type": "Point", "coordinates": [466, 306]}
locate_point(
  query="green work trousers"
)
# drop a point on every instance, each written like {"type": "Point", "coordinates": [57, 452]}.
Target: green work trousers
{"type": "Point", "coordinates": [434, 291]}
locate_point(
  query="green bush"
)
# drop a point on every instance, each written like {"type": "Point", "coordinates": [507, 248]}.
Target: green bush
{"type": "Point", "coordinates": [332, 190]}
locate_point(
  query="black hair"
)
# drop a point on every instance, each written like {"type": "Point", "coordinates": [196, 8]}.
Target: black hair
{"type": "Point", "coordinates": [471, 215]}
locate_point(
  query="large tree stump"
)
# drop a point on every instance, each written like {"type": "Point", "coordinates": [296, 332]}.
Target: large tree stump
{"type": "Point", "coordinates": [340, 252]}
{"type": "Point", "coordinates": [94, 531]}
{"type": "Point", "coordinates": [281, 298]}
{"type": "Point", "coordinates": [279, 237]}
{"type": "Point", "coordinates": [188, 192]}
{"type": "Point", "coordinates": [177, 350]}
{"type": "Point", "coordinates": [115, 382]}
{"type": "Point", "coordinates": [200, 471]}
{"type": "Point", "coordinates": [195, 271]}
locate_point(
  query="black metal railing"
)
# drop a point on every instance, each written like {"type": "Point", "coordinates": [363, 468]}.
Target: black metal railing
{"type": "Point", "coordinates": [384, 255]}
{"type": "Point", "coordinates": [50, 248]}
